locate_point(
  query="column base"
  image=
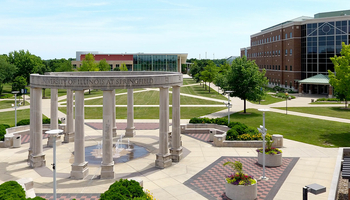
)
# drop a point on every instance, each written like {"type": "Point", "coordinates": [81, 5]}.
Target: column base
{"type": "Point", "coordinates": [114, 132]}
{"type": "Point", "coordinates": [163, 161]}
{"type": "Point", "coordinates": [107, 171]}
{"type": "Point", "coordinates": [130, 132]}
{"type": "Point", "coordinates": [176, 154]}
{"type": "Point", "coordinates": [330, 96]}
{"type": "Point", "coordinates": [29, 153]}
{"type": "Point", "coordinates": [50, 140]}
{"type": "Point", "coordinates": [37, 161]}
{"type": "Point", "coordinates": [79, 171]}
{"type": "Point", "coordinates": [69, 137]}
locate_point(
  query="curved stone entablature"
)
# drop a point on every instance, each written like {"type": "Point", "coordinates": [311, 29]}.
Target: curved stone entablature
{"type": "Point", "coordinates": [105, 80]}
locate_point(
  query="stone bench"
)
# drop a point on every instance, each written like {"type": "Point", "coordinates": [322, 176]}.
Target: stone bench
{"type": "Point", "coordinates": [218, 136]}
{"type": "Point", "coordinates": [28, 186]}
{"type": "Point", "coordinates": [13, 132]}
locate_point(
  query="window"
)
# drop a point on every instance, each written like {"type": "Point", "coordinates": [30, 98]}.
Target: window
{"type": "Point", "coordinates": [286, 36]}
{"type": "Point", "coordinates": [279, 37]}
{"type": "Point", "coordinates": [279, 52]}
{"type": "Point", "coordinates": [291, 68]}
{"type": "Point", "coordinates": [291, 84]}
{"type": "Point", "coordinates": [290, 51]}
{"type": "Point", "coordinates": [290, 34]}
{"type": "Point", "coordinates": [273, 67]}
{"type": "Point", "coordinates": [279, 67]}
{"type": "Point", "coordinates": [74, 66]}
{"type": "Point", "coordinates": [111, 67]}
{"type": "Point", "coordinates": [286, 68]}
{"type": "Point", "coordinates": [286, 84]}
{"type": "Point", "coordinates": [286, 52]}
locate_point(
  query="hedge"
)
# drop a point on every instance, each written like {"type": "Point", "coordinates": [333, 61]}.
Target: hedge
{"type": "Point", "coordinates": [124, 189]}
{"type": "Point", "coordinates": [27, 121]}
{"type": "Point", "coordinates": [3, 128]}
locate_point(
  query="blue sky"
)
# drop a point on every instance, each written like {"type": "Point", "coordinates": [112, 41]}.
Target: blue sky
{"type": "Point", "coordinates": [57, 29]}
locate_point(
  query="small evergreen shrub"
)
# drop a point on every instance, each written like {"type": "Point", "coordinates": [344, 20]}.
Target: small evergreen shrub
{"type": "Point", "coordinates": [27, 121]}
{"type": "Point", "coordinates": [124, 189]}
{"type": "Point", "coordinates": [11, 190]}
{"type": "Point", "coordinates": [3, 128]}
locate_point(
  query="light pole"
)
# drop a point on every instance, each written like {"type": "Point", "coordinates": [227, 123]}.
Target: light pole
{"type": "Point", "coordinates": [54, 133]}
{"type": "Point", "coordinates": [228, 105]}
{"type": "Point", "coordinates": [286, 100]}
{"type": "Point", "coordinates": [15, 106]}
{"type": "Point", "coordinates": [263, 131]}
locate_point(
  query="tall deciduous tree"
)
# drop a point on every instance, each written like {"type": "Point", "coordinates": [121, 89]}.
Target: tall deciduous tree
{"type": "Point", "coordinates": [340, 80]}
{"type": "Point", "coordinates": [26, 63]}
{"type": "Point", "coordinates": [7, 72]}
{"type": "Point", "coordinates": [209, 73]}
{"type": "Point", "coordinates": [88, 63]}
{"type": "Point", "coordinates": [123, 67]}
{"type": "Point", "coordinates": [245, 80]}
{"type": "Point", "coordinates": [103, 65]}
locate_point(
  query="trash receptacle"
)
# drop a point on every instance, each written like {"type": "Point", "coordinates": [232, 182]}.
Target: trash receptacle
{"type": "Point", "coordinates": [17, 141]}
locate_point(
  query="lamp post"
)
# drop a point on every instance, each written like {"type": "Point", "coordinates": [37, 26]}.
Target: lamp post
{"type": "Point", "coordinates": [263, 132]}
{"type": "Point", "coordinates": [15, 106]}
{"type": "Point", "coordinates": [228, 105]}
{"type": "Point", "coordinates": [54, 133]}
{"type": "Point", "coordinates": [286, 101]}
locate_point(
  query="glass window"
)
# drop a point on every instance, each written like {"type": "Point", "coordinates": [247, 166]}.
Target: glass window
{"type": "Point", "coordinates": [279, 37]}
{"type": "Point", "coordinates": [285, 84]}
{"type": "Point", "coordinates": [286, 36]}
{"type": "Point", "coordinates": [286, 52]}
{"type": "Point", "coordinates": [290, 51]}
{"type": "Point", "coordinates": [291, 84]}
{"type": "Point", "coordinates": [291, 68]}
{"type": "Point", "coordinates": [290, 34]}
{"type": "Point", "coordinates": [286, 68]}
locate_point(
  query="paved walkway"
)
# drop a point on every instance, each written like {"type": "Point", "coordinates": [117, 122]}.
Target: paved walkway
{"type": "Point", "coordinates": [314, 165]}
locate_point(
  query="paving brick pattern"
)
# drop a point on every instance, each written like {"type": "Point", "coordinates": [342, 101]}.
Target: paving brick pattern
{"type": "Point", "coordinates": [202, 137]}
{"type": "Point", "coordinates": [25, 138]}
{"type": "Point", "coordinates": [122, 126]}
{"type": "Point", "coordinates": [210, 182]}
{"type": "Point", "coordinates": [69, 196]}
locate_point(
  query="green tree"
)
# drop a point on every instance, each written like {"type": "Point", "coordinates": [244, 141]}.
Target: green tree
{"type": "Point", "coordinates": [123, 67]}
{"type": "Point", "coordinates": [7, 72]}
{"type": "Point", "coordinates": [26, 63]}
{"type": "Point", "coordinates": [209, 73]}
{"type": "Point", "coordinates": [88, 63]}
{"type": "Point", "coordinates": [63, 66]}
{"type": "Point", "coordinates": [245, 80]}
{"type": "Point", "coordinates": [103, 65]}
{"type": "Point", "coordinates": [340, 80]}
{"type": "Point", "coordinates": [19, 83]}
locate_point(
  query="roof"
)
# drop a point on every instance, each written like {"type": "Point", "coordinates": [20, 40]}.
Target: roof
{"type": "Point", "coordinates": [319, 79]}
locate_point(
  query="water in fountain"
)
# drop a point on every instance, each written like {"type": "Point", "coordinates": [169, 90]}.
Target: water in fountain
{"type": "Point", "coordinates": [128, 148]}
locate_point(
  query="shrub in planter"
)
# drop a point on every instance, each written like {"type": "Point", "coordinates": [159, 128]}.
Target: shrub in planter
{"type": "Point", "coordinates": [3, 128]}
{"type": "Point", "coordinates": [220, 121]}
{"type": "Point", "coordinates": [11, 190]}
{"type": "Point", "coordinates": [124, 189]}
{"type": "Point", "coordinates": [269, 149]}
{"type": "Point", "coordinates": [231, 134]}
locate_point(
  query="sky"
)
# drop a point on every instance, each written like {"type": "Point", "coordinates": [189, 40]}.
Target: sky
{"type": "Point", "coordinates": [211, 29]}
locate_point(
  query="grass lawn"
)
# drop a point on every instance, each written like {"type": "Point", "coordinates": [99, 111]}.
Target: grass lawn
{"type": "Point", "coordinates": [146, 113]}
{"type": "Point", "coordinates": [324, 102]}
{"type": "Point", "coordinates": [325, 111]}
{"type": "Point", "coordinates": [188, 81]}
{"type": "Point", "coordinates": [312, 131]}
{"type": "Point", "coordinates": [269, 100]}
{"type": "Point", "coordinates": [200, 91]}
{"type": "Point", "coordinates": [9, 117]}
{"type": "Point", "coordinates": [7, 104]}
{"type": "Point", "coordinates": [152, 98]}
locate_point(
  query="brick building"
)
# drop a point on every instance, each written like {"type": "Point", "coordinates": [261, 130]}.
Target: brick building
{"type": "Point", "coordinates": [299, 49]}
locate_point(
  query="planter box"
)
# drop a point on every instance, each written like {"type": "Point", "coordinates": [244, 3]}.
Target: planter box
{"type": "Point", "coordinates": [271, 160]}
{"type": "Point", "coordinates": [241, 192]}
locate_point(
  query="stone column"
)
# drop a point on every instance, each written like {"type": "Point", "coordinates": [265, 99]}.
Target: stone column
{"type": "Point", "coordinates": [31, 126]}
{"type": "Point", "coordinates": [163, 158]}
{"type": "Point", "coordinates": [54, 109]}
{"type": "Point", "coordinates": [107, 165]}
{"type": "Point", "coordinates": [69, 135]}
{"type": "Point", "coordinates": [54, 117]}
{"type": "Point", "coordinates": [176, 148]}
{"type": "Point", "coordinates": [114, 125]}
{"type": "Point", "coordinates": [300, 89]}
{"type": "Point", "coordinates": [37, 157]}
{"type": "Point", "coordinates": [130, 128]}
{"type": "Point", "coordinates": [79, 167]}
{"type": "Point", "coordinates": [330, 91]}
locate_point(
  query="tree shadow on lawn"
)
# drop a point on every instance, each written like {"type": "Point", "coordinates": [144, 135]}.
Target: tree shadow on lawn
{"type": "Point", "coordinates": [340, 109]}
{"type": "Point", "coordinates": [336, 139]}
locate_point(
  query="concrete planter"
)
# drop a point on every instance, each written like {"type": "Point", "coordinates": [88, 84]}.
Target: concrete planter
{"type": "Point", "coordinates": [271, 160]}
{"type": "Point", "coordinates": [241, 192]}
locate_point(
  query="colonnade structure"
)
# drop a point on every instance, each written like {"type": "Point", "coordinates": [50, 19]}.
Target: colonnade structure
{"type": "Point", "coordinates": [107, 82]}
